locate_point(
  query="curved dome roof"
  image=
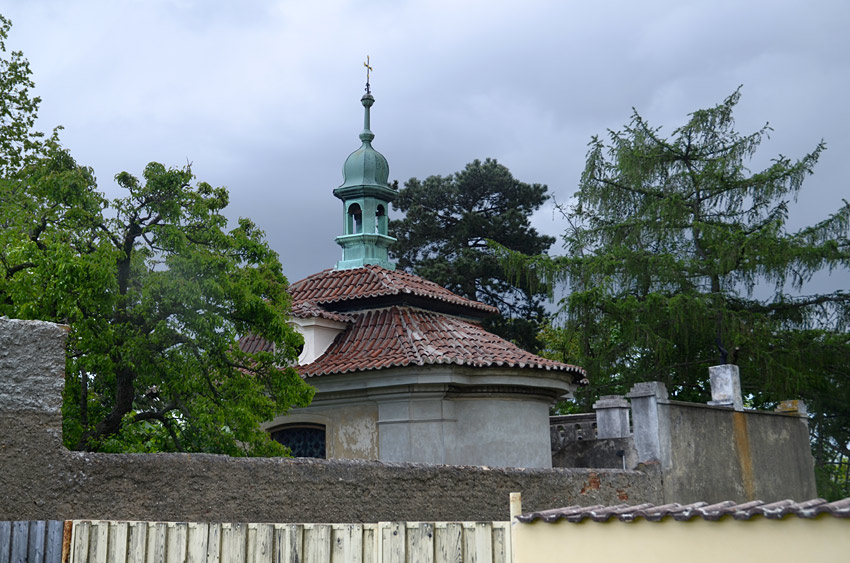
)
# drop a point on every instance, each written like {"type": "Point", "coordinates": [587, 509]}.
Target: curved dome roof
{"type": "Point", "coordinates": [366, 166]}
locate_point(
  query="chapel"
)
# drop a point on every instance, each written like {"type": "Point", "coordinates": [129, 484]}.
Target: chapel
{"type": "Point", "coordinates": [402, 368]}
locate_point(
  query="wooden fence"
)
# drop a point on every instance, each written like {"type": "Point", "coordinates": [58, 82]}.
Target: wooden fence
{"type": "Point", "coordinates": [385, 542]}
{"type": "Point", "coordinates": [31, 541]}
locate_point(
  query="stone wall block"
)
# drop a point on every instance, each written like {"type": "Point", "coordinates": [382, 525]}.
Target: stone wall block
{"type": "Point", "coordinates": [726, 386]}
{"type": "Point", "coordinates": [651, 428]}
{"type": "Point", "coordinates": [612, 417]}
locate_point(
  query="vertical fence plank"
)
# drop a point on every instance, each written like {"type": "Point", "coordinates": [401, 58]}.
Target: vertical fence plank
{"type": "Point", "coordinates": [214, 544]}
{"type": "Point", "coordinates": [289, 543]}
{"type": "Point", "coordinates": [394, 543]}
{"type": "Point", "coordinates": [370, 554]}
{"type": "Point", "coordinates": [175, 542]}
{"type": "Point", "coordinates": [196, 539]}
{"type": "Point", "coordinates": [80, 542]}
{"type": "Point", "coordinates": [20, 537]}
{"type": "Point", "coordinates": [5, 541]}
{"type": "Point", "coordinates": [469, 555]}
{"type": "Point", "coordinates": [420, 542]}
{"type": "Point", "coordinates": [265, 543]}
{"type": "Point", "coordinates": [250, 543]}
{"type": "Point", "coordinates": [482, 542]}
{"type": "Point", "coordinates": [137, 542]}
{"type": "Point", "coordinates": [53, 543]}
{"type": "Point", "coordinates": [99, 541]}
{"type": "Point", "coordinates": [260, 538]}
{"type": "Point", "coordinates": [233, 542]}
{"type": "Point", "coordinates": [35, 542]}
{"type": "Point", "coordinates": [501, 543]}
{"type": "Point", "coordinates": [347, 543]}
{"type": "Point", "coordinates": [449, 543]}
{"type": "Point", "coordinates": [317, 543]}
{"type": "Point", "coordinates": [156, 543]}
{"type": "Point", "coordinates": [117, 551]}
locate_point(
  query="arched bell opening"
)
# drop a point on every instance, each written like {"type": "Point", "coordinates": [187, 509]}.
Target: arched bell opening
{"type": "Point", "coordinates": [381, 220]}
{"type": "Point", "coordinates": [355, 219]}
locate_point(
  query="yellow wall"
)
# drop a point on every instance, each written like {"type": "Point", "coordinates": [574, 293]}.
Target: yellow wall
{"type": "Point", "coordinates": [824, 538]}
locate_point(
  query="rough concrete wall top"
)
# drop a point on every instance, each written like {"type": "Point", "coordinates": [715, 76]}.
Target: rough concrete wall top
{"type": "Point", "coordinates": [49, 482]}
{"type": "Point", "coordinates": [32, 366]}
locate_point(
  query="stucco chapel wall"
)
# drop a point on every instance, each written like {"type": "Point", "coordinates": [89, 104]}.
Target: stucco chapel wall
{"type": "Point", "coordinates": [350, 433]}
{"type": "Point", "coordinates": [488, 421]}
{"type": "Point", "coordinates": [42, 480]}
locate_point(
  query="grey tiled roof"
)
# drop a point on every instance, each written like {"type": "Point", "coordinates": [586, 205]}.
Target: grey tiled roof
{"type": "Point", "coordinates": [683, 512]}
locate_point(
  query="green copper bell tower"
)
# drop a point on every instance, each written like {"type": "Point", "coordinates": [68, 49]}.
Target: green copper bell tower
{"type": "Point", "coordinates": [366, 198]}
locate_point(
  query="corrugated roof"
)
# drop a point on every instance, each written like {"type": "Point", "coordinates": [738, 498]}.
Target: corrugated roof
{"type": "Point", "coordinates": [405, 336]}
{"type": "Point", "coordinates": [684, 512]}
{"type": "Point", "coordinates": [337, 286]}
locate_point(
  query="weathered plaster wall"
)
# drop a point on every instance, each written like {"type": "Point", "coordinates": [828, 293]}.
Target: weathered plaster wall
{"type": "Point", "coordinates": [599, 453]}
{"type": "Point", "coordinates": [719, 454]}
{"type": "Point", "coordinates": [350, 433]}
{"type": "Point", "coordinates": [42, 480]}
{"type": "Point", "coordinates": [502, 432]}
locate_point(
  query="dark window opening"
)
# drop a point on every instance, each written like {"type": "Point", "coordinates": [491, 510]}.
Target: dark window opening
{"type": "Point", "coordinates": [305, 440]}
{"type": "Point", "coordinates": [355, 219]}
{"type": "Point", "coordinates": [381, 220]}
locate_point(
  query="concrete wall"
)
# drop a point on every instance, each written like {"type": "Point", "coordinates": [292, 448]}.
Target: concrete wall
{"type": "Point", "coordinates": [502, 432]}
{"type": "Point", "coordinates": [713, 453]}
{"type": "Point", "coordinates": [736, 455]}
{"type": "Point", "coordinates": [706, 452]}
{"type": "Point", "coordinates": [41, 480]}
{"type": "Point", "coordinates": [614, 453]}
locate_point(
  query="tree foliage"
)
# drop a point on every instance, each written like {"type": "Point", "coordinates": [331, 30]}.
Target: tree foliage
{"type": "Point", "coordinates": [443, 237]}
{"type": "Point", "coordinates": [155, 290]}
{"type": "Point", "coordinates": [678, 258]}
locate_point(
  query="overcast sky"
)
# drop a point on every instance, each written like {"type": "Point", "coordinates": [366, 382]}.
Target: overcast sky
{"type": "Point", "coordinates": [263, 96]}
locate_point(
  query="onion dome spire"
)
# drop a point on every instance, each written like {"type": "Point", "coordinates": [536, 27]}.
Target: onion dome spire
{"type": "Point", "coordinates": [366, 196]}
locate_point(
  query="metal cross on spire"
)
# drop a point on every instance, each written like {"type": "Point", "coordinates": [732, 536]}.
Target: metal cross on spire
{"type": "Point", "coordinates": [368, 69]}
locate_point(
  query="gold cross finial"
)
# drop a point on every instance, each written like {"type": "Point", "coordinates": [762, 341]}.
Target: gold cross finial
{"type": "Point", "coordinates": [368, 70]}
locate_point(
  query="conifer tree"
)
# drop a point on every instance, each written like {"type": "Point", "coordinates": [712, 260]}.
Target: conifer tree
{"type": "Point", "coordinates": [678, 258]}
{"type": "Point", "coordinates": [443, 237]}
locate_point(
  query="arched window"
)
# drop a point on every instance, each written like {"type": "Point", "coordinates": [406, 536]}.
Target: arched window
{"type": "Point", "coordinates": [381, 220]}
{"type": "Point", "coordinates": [355, 219]}
{"type": "Point", "coordinates": [305, 440]}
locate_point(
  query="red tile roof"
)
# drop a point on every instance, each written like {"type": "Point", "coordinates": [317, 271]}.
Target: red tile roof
{"type": "Point", "coordinates": [251, 344]}
{"type": "Point", "coordinates": [406, 336]}
{"type": "Point", "coordinates": [400, 333]}
{"type": "Point", "coordinates": [308, 309]}
{"type": "Point", "coordinates": [743, 511]}
{"type": "Point", "coordinates": [338, 286]}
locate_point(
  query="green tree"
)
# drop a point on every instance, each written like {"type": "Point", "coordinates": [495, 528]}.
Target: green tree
{"type": "Point", "coordinates": [155, 290]}
{"type": "Point", "coordinates": [443, 237]}
{"type": "Point", "coordinates": [18, 138]}
{"type": "Point", "coordinates": [678, 258]}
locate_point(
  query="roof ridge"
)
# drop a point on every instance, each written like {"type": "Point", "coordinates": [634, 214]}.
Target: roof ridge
{"type": "Point", "coordinates": [711, 512]}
